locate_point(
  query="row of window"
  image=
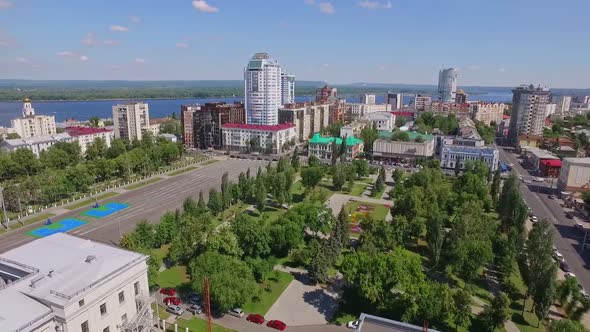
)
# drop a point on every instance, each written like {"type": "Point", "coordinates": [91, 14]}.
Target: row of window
{"type": "Point", "coordinates": [103, 309]}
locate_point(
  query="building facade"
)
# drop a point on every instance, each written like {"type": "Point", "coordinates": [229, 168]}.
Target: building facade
{"type": "Point", "coordinates": [321, 146]}
{"type": "Point", "coordinates": [30, 125]}
{"type": "Point", "coordinates": [356, 111]}
{"type": "Point", "coordinates": [36, 144]}
{"type": "Point", "coordinates": [529, 105]}
{"type": "Point", "coordinates": [396, 100]}
{"type": "Point", "coordinates": [574, 174]}
{"type": "Point", "coordinates": [258, 138]}
{"type": "Point", "coordinates": [563, 104]}
{"type": "Point", "coordinates": [262, 90]}
{"type": "Point", "coordinates": [461, 151]}
{"type": "Point", "coordinates": [461, 97]}
{"type": "Point", "coordinates": [130, 119]}
{"type": "Point", "coordinates": [85, 136]}
{"type": "Point", "coordinates": [550, 109]}
{"type": "Point", "coordinates": [326, 94]}
{"type": "Point", "coordinates": [417, 147]}
{"type": "Point", "coordinates": [63, 283]}
{"type": "Point", "coordinates": [287, 88]}
{"type": "Point", "coordinates": [368, 98]}
{"type": "Point", "coordinates": [447, 85]}
{"type": "Point", "coordinates": [487, 112]}
{"type": "Point", "coordinates": [383, 121]}
{"type": "Point", "coordinates": [420, 102]}
{"type": "Point", "coordinates": [308, 118]}
{"type": "Point", "coordinates": [202, 124]}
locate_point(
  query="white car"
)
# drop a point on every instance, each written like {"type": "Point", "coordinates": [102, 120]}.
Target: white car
{"type": "Point", "coordinates": [558, 256]}
{"type": "Point", "coordinates": [569, 275]}
{"type": "Point", "coordinates": [237, 312]}
{"type": "Point", "coordinates": [527, 181]}
{"type": "Point", "coordinates": [353, 324]}
{"type": "Point", "coordinates": [539, 179]}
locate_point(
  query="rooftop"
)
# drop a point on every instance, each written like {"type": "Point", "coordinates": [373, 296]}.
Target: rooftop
{"type": "Point", "coordinates": [277, 127]}
{"type": "Point", "coordinates": [380, 115]}
{"type": "Point", "coordinates": [20, 142]}
{"type": "Point", "coordinates": [578, 161]}
{"type": "Point", "coordinates": [541, 154]}
{"type": "Point", "coordinates": [551, 162]}
{"type": "Point", "coordinates": [319, 139]}
{"type": "Point", "coordinates": [370, 323]}
{"type": "Point", "coordinates": [79, 131]}
{"type": "Point", "coordinates": [470, 150]}
{"type": "Point", "coordinates": [412, 134]}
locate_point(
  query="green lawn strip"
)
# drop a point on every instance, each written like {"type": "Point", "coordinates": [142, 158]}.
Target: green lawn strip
{"type": "Point", "coordinates": [269, 214]}
{"type": "Point", "coordinates": [161, 252]}
{"type": "Point", "coordinates": [269, 292]}
{"type": "Point", "coordinates": [196, 324]}
{"type": "Point", "coordinates": [173, 277]}
{"type": "Point", "coordinates": [90, 200]}
{"type": "Point", "coordinates": [143, 183]}
{"type": "Point", "coordinates": [529, 322]}
{"type": "Point", "coordinates": [379, 210]}
{"type": "Point", "coordinates": [358, 189]}
{"type": "Point", "coordinates": [209, 162]}
{"type": "Point", "coordinates": [184, 170]}
{"type": "Point", "coordinates": [378, 194]}
{"type": "Point", "coordinates": [163, 313]}
{"type": "Point", "coordinates": [43, 216]}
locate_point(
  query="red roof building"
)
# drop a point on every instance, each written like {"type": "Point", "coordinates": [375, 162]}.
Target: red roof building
{"type": "Point", "coordinates": [550, 167]}
{"type": "Point", "coordinates": [79, 131]}
{"type": "Point", "coordinates": [85, 136]}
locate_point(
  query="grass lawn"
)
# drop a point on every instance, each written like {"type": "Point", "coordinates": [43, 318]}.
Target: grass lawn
{"type": "Point", "coordinates": [230, 212]}
{"type": "Point", "coordinates": [161, 252]}
{"type": "Point", "coordinates": [90, 201]}
{"type": "Point", "coordinates": [196, 324]}
{"type": "Point", "coordinates": [269, 214]}
{"type": "Point", "coordinates": [173, 277]}
{"type": "Point", "coordinates": [378, 194]}
{"type": "Point", "coordinates": [269, 292]}
{"type": "Point", "coordinates": [141, 184]}
{"type": "Point", "coordinates": [528, 323]}
{"type": "Point", "coordinates": [297, 191]}
{"type": "Point", "coordinates": [358, 189]}
{"type": "Point", "coordinates": [163, 313]}
{"type": "Point", "coordinates": [379, 210]}
{"type": "Point", "coordinates": [184, 170]}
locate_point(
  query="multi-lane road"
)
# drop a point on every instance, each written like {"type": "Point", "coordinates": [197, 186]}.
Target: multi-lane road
{"type": "Point", "coordinates": [146, 203]}
{"type": "Point", "coordinates": [567, 239]}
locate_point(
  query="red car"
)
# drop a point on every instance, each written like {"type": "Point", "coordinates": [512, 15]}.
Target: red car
{"type": "Point", "coordinates": [255, 318]}
{"type": "Point", "coordinates": [168, 291]}
{"type": "Point", "coordinates": [171, 300]}
{"type": "Point", "coordinates": [277, 325]}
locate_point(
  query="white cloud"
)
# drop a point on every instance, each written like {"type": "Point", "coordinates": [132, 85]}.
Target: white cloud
{"type": "Point", "coordinates": [140, 60]}
{"type": "Point", "coordinates": [6, 4]}
{"type": "Point", "coordinates": [309, 2]}
{"type": "Point", "coordinates": [135, 19]}
{"type": "Point", "coordinates": [118, 28]}
{"type": "Point", "coordinates": [502, 70]}
{"type": "Point", "coordinates": [203, 6]}
{"type": "Point", "coordinates": [473, 67]}
{"type": "Point", "coordinates": [69, 54]}
{"type": "Point", "coordinates": [371, 4]}
{"type": "Point", "coordinates": [89, 40]}
{"type": "Point", "coordinates": [23, 60]}
{"type": "Point", "coordinates": [325, 65]}
{"type": "Point", "coordinates": [326, 7]}
{"type": "Point", "coordinates": [83, 58]}
{"type": "Point", "coordinates": [182, 45]}
{"type": "Point", "coordinates": [111, 42]}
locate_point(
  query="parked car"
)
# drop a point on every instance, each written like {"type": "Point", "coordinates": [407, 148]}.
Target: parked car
{"type": "Point", "coordinates": [527, 181]}
{"type": "Point", "coordinates": [558, 256]}
{"type": "Point", "coordinates": [551, 196]}
{"type": "Point", "coordinates": [579, 226]}
{"type": "Point", "coordinates": [171, 300]}
{"type": "Point", "coordinates": [534, 219]}
{"type": "Point", "coordinates": [174, 309]}
{"type": "Point", "coordinates": [353, 324]}
{"type": "Point", "coordinates": [168, 291]}
{"type": "Point", "coordinates": [569, 215]}
{"type": "Point", "coordinates": [194, 298]}
{"type": "Point", "coordinates": [277, 325]}
{"type": "Point", "coordinates": [539, 179]}
{"type": "Point", "coordinates": [237, 312]}
{"type": "Point", "coordinates": [195, 309]}
{"type": "Point", "coordinates": [564, 266]}
{"type": "Point", "coordinates": [255, 318]}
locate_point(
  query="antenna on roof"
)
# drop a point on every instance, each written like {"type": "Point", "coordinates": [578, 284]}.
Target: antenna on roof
{"type": "Point", "coordinates": [90, 258]}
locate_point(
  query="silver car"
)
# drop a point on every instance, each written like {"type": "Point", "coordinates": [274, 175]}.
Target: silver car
{"type": "Point", "coordinates": [174, 309]}
{"type": "Point", "coordinates": [237, 312]}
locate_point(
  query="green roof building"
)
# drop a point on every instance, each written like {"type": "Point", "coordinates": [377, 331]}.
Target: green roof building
{"type": "Point", "coordinates": [321, 146]}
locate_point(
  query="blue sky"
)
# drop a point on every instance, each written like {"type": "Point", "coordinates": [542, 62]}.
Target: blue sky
{"type": "Point", "coordinates": [493, 42]}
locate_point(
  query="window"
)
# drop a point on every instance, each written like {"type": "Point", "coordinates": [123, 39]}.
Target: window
{"type": "Point", "coordinates": [106, 329]}
{"type": "Point", "coordinates": [81, 303]}
{"type": "Point", "coordinates": [136, 287]}
{"type": "Point", "coordinates": [84, 327]}
{"type": "Point", "coordinates": [103, 309]}
{"type": "Point", "coordinates": [124, 319]}
{"type": "Point", "coordinates": [121, 297]}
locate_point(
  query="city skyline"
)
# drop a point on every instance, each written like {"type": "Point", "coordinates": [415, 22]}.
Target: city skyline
{"type": "Point", "coordinates": [204, 40]}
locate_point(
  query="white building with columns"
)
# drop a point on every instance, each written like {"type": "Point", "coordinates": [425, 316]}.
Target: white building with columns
{"type": "Point", "coordinates": [30, 125]}
{"type": "Point", "coordinates": [62, 283]}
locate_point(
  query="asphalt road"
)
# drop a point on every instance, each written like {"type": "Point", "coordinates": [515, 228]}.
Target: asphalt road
{"type": "Point", "coordinates": [567, 239]}
{"type": "Point", "coordinates": [148, 202]}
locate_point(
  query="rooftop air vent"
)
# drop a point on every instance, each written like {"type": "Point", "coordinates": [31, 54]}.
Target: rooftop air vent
{"type": "Point", "coordinates": [90, 258]}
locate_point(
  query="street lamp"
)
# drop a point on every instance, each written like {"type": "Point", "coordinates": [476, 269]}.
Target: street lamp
{"type": "Point", "coordinates": [3, 206]}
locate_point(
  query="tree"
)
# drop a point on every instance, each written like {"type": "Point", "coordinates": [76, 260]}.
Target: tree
{"type": "Point", "coordinates": [494, 315]}
{"type": "Point", "coordinates": [260, 194]}
{"type": "Point", "coordinates": [435, 236]}
{"type": "Point", "coordinates": [361, 168]}
{"type": "Point", "coordinates": [145, 235]}
{"type": "Point", "coordinates": [224, 242]}
{"type": "Point", "coordinates": [341, 230]}
{"type": "Point", "coordinates": [369, 134]}
{"type": "Point", "coordinates": [377, 236]}
{"type": "Point", "coordinates": [231, 281]}
{"type": "Point", "coordinates": [311, 176]}
{"type": "Point", "coordinates": [260, 267]}
{"type": "Point", "coordinates": [313, 161]}
{"type": "Point", "coordinates": [318, 266]}
{"type": "Point", "coordinates": [189, 242]}
{"type": "Point", "coordinates": [97, 149]}
{"type": "Point", "coordinates": [566, 325]}
{"type": "Point", "coordinates": [398, 176]}
{"type": "Point", "coordinates": [94, 121]}
{"type": "Point", "coordinates": [335, 149]}
{"type": "Point", "coordinates": [462, 314]}
{"type": "Point", "coordinates": [286, 234]}
{"type": "Point", "coordinates": [566, 291]}
{"type": "Point", "coordinates": [495, 189]}
{"type": "Point", "coordinates": [252, 236]}
{"type": "Point", "coordinates": [295, 159]}
{"type": "Point", "coordinates": [399, 135]}
{"type": "Point", "coordinates": [168, 228]}
{"type": "Point", "coordinates": [201, 203]}
{"type": "Point", "coordinates": [339, 175]}
{"type": "Point", "coordinates": [215, 203]}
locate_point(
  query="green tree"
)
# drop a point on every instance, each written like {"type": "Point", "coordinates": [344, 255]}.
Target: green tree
{"type": "Point", "coordinates": [168, 228]}
{"type": "Point", "coordinates": [339, 176]}
{"type": "Point", "coordinates": [261, 268]}
{"type": "Point", "coordinates": [566, 291]}
{"type": "Point", "coordinates": [313, 161]}
{"type": "Point", "coordinates": [462, 314]}
{"type": "Point", "coordinates": [566, 325]}
{"type": "Point", "coordinates": [295, 159]}
{"type": "Point", "coordinates": [94, 121]}
{"type": "Point", "coordinates": [341, 230]}
{"type": "Point", "coordinates": [398, 176]}
{"type": "Point", "coordinates": [97, 149]}
{"type": "Point", "coordinates": [335, 149]}
{"type": "Point", "coordinates": [435, 237]}
{"type": "Point", "coordinates": [231, 281]}
{"type": "Point", "coordinates": [369, 134]}
{"type": "Point", "coordinates": [494, 315]}
{"type": "Point", "coordinates": [201, 203]}
{"type": "Point", "coordinates": [311, 176]}
{"type": "Point", "coordinates": [361, 168]}
{"type": "Point", "coordinates": [260, 194]}
{"type": "Point", "coordinates": [399, 135]}
{"type": "Point", "coordinates": [318, 266]}
{"type": "Point", "coordinates": [495, 189]}
{"type": "Point", "coordinates": [224, 242]}
{"type": "Point", "coordinates": [215, 202]}
{"type": "Point", "coordinates": [252, 236]}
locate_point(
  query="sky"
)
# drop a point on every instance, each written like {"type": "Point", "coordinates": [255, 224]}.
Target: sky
{"type": "Point", "coordinates": [492, 42]}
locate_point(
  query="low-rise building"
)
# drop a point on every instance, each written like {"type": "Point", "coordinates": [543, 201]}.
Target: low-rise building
{"type": "Point", "coordinates": [574, 174]}
{"type": "Point", "coordinates": [169, 137]}
{"type": "Point", "coordinates": [418, 146]}
{"type": "Point", "coordinates": [354, 128]}
{"type": "Point", "coordinates": [64, 283]}
{"type": "Point", "coordinates": [383, 121]}
{"type": "Point", "coordinates": [355, 111]}
{"type": "Point", "coordinates": [85, 136]}
{"type": "Point", "coordinates": [534, 156]}
{"type": "Point", "coordinates": [460, 151]}
{"type": "Point", "coordinates": [201, 124]}
{"type": "Point", "coordinates": [550, 168]}
{"type": "Point", "coordinates": [370, 323]}
{"type": "Point", "coordinates": [488, 112]}
{"type": "Point", "coordinates": [321, 146]}
{"type": "Point", "coordinates": [308, 118]}
{"type": "Point", "coordinates": [258, 138]}
{"type": "Point", "coordinates": [31, 125]}
{"type": "Point", "coordinates": [36, 144]}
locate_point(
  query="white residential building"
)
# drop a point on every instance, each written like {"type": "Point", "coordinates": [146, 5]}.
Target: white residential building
{"type": "Point", "coordinates": [563, 104]}
{"type": "Point", "coordinates": [447, 84]}
{"type": "Point", "coordinates": [356, 111]}
{"type": "Point", "coordinates": [487, 112]}
{"type": "Point", "coordinates": [130, 119]}
{"type": "Point", "coordinates": [368, 98]}
{"type": "Point", "coordinates": [257, 138]}
{"type": "Point", "coordinates": [287, 89]}
{"type": "Point", "coordinates": [85, 136]}
{"type": "Point", "coordinates": [396, 100]}
{"type": "Point", "coordinates": [36, 143]}
{"type": "Point", "coordinates": [262, 90]}
{"type": "Point", "coordinates": [550, 109]}
{"type": "Point", "coordinates": [30, 125]}
{"type": "Point", "coordinates": [529, 105]}
{"type": "Point", "coordinates": [383, 121]}
{"type": "Point", "coordinates": [67, 284]}
{"type": "Point", "coordinates": [574, 174]}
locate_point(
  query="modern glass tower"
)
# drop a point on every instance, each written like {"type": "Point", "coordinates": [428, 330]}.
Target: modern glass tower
{"type": "Point", "coordinates": [447, 85]}
{"type": "Point", "coordinates": [262, 90]}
